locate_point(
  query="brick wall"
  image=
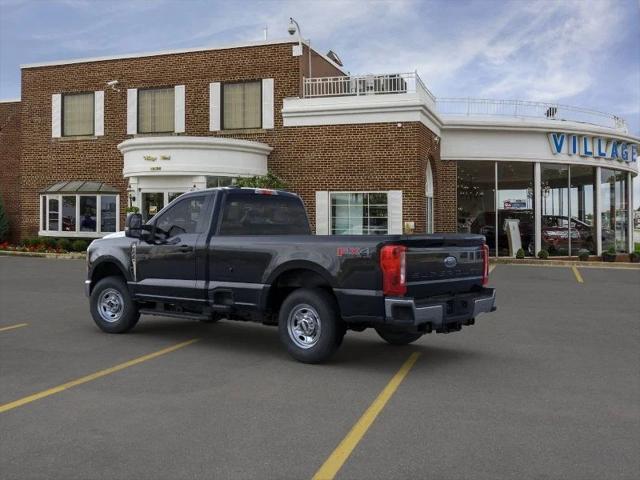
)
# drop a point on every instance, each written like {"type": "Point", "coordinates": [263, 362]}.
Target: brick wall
{"type": "Point", "coordinates": [10, 163]}
{"type": "Point", "coordinates": [339, 157]}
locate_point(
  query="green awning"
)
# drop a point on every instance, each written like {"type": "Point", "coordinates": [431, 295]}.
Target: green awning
{"type": "Point", "coordinates": [80, 186]}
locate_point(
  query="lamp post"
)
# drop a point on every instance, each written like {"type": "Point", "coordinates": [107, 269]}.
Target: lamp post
{"type": "Point", "coordinates": [293, 28]}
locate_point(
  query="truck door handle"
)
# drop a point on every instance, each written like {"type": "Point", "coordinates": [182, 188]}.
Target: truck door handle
{"type": "Point", "coordinates": [185, 248]}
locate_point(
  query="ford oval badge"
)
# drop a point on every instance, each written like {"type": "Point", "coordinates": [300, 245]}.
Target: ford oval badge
{"type": "Point", "coordinates": [450, 262]}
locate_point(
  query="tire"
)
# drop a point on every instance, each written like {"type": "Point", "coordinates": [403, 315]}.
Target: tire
{"type": "Point", "coordinates": [398, 338]}
{"type": "Point", "coordinates": [112, 308]}
{"type": "Point", "coordinates": [314, 312]}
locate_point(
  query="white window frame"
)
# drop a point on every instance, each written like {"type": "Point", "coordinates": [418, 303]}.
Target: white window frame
{"type": "Point", "coordinates": [44, 219]}
{"type": "Point", "coordinates": [329, 205]}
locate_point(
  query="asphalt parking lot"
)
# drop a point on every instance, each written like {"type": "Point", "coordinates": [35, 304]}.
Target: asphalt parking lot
{"type": "Point", "coordinates": [546, 387]}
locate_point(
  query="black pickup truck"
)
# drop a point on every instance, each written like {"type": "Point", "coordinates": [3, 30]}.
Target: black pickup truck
{"type": "Point", "coordinates": [248, 254]}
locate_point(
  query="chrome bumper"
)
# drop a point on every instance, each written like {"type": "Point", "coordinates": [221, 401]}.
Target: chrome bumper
{"type": "Point", "coordinates": [459, 309]}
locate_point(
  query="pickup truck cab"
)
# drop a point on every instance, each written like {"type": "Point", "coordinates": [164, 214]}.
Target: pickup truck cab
{"type": "Point", "coordinates": [248, 254]}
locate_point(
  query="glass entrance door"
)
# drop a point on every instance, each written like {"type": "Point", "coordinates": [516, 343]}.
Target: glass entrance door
{"type": "Point", "coordinates": [152, 203]}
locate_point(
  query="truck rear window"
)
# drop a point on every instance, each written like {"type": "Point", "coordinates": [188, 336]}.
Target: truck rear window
{"type": "Point", "coordinates": [263, 215]}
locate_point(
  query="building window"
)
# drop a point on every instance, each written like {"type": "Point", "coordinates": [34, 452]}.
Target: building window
{"type": "Point", "coordinates": [78, 114]}
{"type": "Point", "coordinates": [429, 198]}
{"type": "Point", "coordinates": [515, 205]}
{"type": "Point", "coordinates": [156, 110]}
{"type": "Point", "coordinates": [614, 209]}
{"type": "Point", "coordinates": [476, 199]}
{"type": "Point", "coordinates": [79, 215]}
{"type": "Point", "coordinates": [242, 105]}
{"type": "Point", "coordinates": [359, 213]}
{"type": "Point", "coordinates": [219, 181]}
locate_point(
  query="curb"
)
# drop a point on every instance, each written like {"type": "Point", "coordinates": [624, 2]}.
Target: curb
{"type": "Point", "coordinates": [61, 256]}
{"type": "Point", "coordinates": [565, 263]}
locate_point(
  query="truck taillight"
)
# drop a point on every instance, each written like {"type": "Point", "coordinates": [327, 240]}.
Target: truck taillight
{"type": "Point", "coordinates": [393, 263]}
{"type": "Point", "coordinates": [485, 264]}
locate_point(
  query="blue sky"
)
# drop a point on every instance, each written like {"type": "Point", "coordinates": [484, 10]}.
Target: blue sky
{"type": "Point", "coordinates": [578, 52]}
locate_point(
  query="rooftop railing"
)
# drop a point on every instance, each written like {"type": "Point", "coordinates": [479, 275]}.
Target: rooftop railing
{"type": "Point", "coordinates": [399, 83]}
{"type": "Point", "coordinates": [525, 109]}
{"type": "Point", "coordinates": [356, 85]}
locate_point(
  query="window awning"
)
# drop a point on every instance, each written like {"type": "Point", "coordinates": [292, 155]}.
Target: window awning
{"type": "Point", "coordinates": [80, 186]}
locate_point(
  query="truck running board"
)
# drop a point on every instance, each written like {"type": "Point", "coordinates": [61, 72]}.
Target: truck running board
{"type": "Point", "coordinates": [164, 313]}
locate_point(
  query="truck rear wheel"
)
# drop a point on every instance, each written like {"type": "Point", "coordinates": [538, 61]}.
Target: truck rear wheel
{"type": "Point", "coordinates": [112, 307]}
{"type": "Point", "coordinates": [398, 338]}
{"type": "Point", "coordinates": [309, 325]}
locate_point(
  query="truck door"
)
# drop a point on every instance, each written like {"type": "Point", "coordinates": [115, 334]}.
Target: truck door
{"type": "Point", "coordinates": [170, 269]}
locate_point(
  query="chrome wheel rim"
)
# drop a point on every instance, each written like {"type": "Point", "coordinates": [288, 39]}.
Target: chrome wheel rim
{"type": "Point", "coordinates": [110, 305]}
{"type": "Point", "coordinates": [304, 326]}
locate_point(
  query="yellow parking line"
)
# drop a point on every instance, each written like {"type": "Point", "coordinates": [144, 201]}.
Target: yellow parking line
{"type": "Point", "coordinates": [93, 376]}
{"type": "Point", "coordinates": [332, 465]}
{"type": "Point", "coordinates": [11, 327]}
{"type": "Point", "coordinates": [576, 273]}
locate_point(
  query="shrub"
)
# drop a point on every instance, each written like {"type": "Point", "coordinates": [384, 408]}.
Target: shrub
{"type": "Point", "coordinates": [4, 223]}
{"type": "Point", "coordinates": [132, 210]}
{"type": "Point", "coordinates": [543, 254]}
{"type": "Point", "coordinates": [79, 245]}
{"type": "Point", "coordinates": [49, 242]}
{"type": "Point", "coordinates": [611, 250]}
{"type": "Point", "coordinates": [262, 181]}
{"type": "Point", "coordinates": [520, 253]}
{"type": "Point", "coordinates": [583, 254]}
{"type": "Point", "coordinates": [65, 244]}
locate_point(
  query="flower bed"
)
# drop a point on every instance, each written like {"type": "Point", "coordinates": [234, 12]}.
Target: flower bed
{"type": "Point", "coordinates": [47, 245]}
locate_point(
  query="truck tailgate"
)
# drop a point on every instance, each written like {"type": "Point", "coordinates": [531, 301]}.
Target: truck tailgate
{"type": "Point", "coordinates": [442, 264]}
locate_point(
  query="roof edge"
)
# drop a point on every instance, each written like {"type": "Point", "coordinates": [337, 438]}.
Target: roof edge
{"type": "Point", "coordinates": [10, 100]}
{"type": "Point", "coordinates": [106, 58]}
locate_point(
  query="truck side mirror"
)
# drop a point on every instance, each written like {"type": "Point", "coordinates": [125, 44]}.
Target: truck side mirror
{"type": "Point", "coordinates": [133, 225]}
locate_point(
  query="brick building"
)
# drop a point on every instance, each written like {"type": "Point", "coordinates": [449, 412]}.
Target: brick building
{"type": "Point", "coordinates": [368, 154]}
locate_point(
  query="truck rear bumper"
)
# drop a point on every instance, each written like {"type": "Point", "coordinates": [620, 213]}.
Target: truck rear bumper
{"type": "Point", "coordinates": [442, 315]}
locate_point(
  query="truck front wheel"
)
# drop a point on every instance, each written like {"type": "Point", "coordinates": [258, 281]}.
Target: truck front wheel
{"type": "Point", "coordinates": [112, 308]}
{"type": "Point", "coordinates": [398, 337]}
{"type": "Point", "coordinates": [309, 325]}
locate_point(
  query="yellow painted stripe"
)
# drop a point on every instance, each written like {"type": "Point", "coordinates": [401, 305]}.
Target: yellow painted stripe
{"type": "Point", "coordinates": [576, 273]}
{"type": "Point", "coordinates": [342, 452]}
{"type": "Point", "coordinates": [11, 327]}
{"type": "Point", "coordinates": [492, 267]}
{"type": "Point", "coordinates": [93, 376]}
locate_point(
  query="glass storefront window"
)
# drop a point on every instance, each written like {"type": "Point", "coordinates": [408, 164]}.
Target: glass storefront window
{"type": "Point", "coordinates": [88, 213]}
{"type": "Point", "coordinates": [69, 213]}
{"type": "Point", "coordinates": [554, 190]}
{"type": "Point", "coordinates": [108, 213]}
{"type": "Point", "coordinates": [516, 221]}
{"type": "Point", "coordinates": [359, 213]}
{"type": "Point", "coordinates": [614, 210]}
{"type": "Point", "coordinates": [582, 204]}
{"type": "Point", "coordinates": [476, 200]}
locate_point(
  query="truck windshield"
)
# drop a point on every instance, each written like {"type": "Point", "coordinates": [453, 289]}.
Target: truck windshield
{"type": "Point", "coordinates": [263, 215]}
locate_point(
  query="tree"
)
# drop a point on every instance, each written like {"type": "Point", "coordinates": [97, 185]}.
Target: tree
{"type": "Point", "coordinates": [4, 223]}
{"type": "Point", "coordinates": [262, 181]}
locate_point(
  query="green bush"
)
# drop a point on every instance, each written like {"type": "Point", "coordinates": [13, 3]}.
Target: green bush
{"type": "Point", "coordinates": [132, 210]}
{"type": "Point", "coordinates": [543, 254]}
{"type": "Point", "coordinates": [611, 250]}
{"type": "Point", "coordinates": [27, 242]}
{"type": "Point", "coordinates": [79, 245]}
{"type": "Point", "coordinates": [520, 253]}
{"type": "Point", "coordinates": [583, 254]}
{"type": "Point", "coordinates": [262, 181]}
{"type": "Point", "coordinates": [48, 242]}
{"type": "Point", "coordinates": [65, 244]}
{"type": "Point", "coordinates": [4, 223]}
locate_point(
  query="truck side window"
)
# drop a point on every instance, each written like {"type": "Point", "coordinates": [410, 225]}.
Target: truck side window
{"type": "Point", "coordinates": [263, 215]}
{"type": "Point", "coordinates": [185, 215]}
